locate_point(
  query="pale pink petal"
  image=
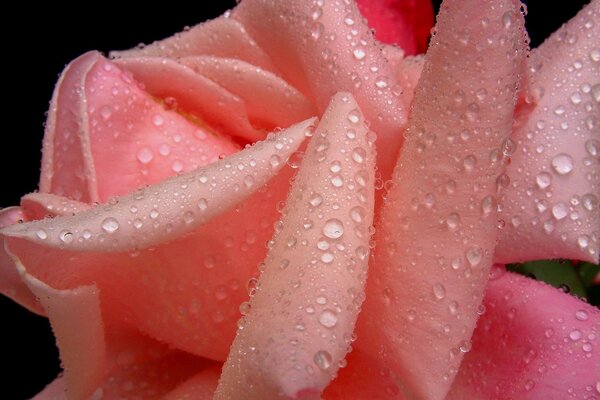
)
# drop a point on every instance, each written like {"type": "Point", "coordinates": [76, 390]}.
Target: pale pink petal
{"type": "Point", "coordinates": [194, 94]}
{"type": "Point", "coordinates": [135, 141]}
{"type": "Point", "coordinates": [437, 231]}
{"type": "Point", "coordinates": [406, 71]}
{"type": "Point", "coordinates": [551, 208]}
{"type": "Point", "coordinates": [67, 165]}
{"type": "Point", "coordinates": [323, 49]}
{"type": "Point", "coordinates": [153, 379]}
{"type": "Point", "coordinates": [55, 390]}
{"type": "Point", "coordinates": [187, 290]}
{"type": "Point", "coordinates": [77, 325]}
{"type": "Point", "coordinates": [299, 322]}
{"type": "Point", "coordinates": [532, 342]}
{"type": "Point", "coordinates": [270, 101]}
{"type": "Point", "coordinates": [41, 205]}
{"type": "Point", "coordinates": [364, 377]}
{"type": "Point", "coordinates": [201, 386]}
{"type": "Point", "coordinates": [221, 37]}
{"type": "Point", "coordinates": [11, 284]}
{"type": "Point", "coordinates": [171, 208]}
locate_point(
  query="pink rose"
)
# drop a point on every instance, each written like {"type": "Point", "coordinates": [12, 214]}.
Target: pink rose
{"type": "Point", "coordinates": [161, 209]}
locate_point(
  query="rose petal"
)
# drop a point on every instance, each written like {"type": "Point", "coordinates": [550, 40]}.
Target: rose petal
{"type": "Point", "coordinates": [551, 208]}
{"type": "Point", "coordinates": [11, 284]}
{"type": "Point", "coordinates": [220, 37]}
{"type": "Point", "coordinates": [122, 116]}
{"type": "Point", "coordinates": [438, 227]}
{"type": "Point", "coordinates": [220, 108]}
{"type": "Point", "coordinates": [41, 205]}
{"type": "Point", "coordinates": [363, 378]}
{"type": "Point", "coordinates": [67, 163]}
{"type": "Point", "coordinates": [320, 54]}
{"type": "Point", "coordinates": [525, 349]}
{"type": "Point", "coordinates": [78, 328]}
{"type": "Point", "coordinates": [311, 288]}
{"type": "Point", "coordinates": [406, 23]}
{"type": "Point", "coordinates": [201, 386]}
{"type": "Point", "coordinates": [270, 101]}
{"type": "Point", "coordinates": [187, 290]}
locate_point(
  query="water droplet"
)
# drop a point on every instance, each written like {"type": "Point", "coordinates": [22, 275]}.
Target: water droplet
{"type": "Point", "coordinates": [560, 211]}
{"type": "Point", "coordinates": [453, 221]}
{"type": "Point", "coordinates": [328, 318]}
{"type": "Point", "coordinates": [359, 155]}
{"type": "Point", "coordinates": [316, 200]}
{"type": "Point", "coordinates": [465, 346]}
{"type": "Point", "coordinates": [66, 236]}
{"type": "Point", "coordinates": [507, 19]}
{"type": "Point", "coordinates": [274, 161]}
{"type": "Point", "coordinates": [245, 308]}
{"type": "Point", "coordinates": [41, 234]}
{"type": "Point", "coordinates": [145, 155]}
{"type": "Point", "coordinates": [337, 181]}
{"type": "Point", "coordinates": [474, 255]}
{"type": "Point", "coordinates": [359, 54]}
{"type": "Point", "coordinates": [469, 163]}
{"type": "Point", "coordinates": [592, 147]}
{"type": "Point", "coordinates": [543, 180]}
{"type": "Point", "coordinates": [323, 359]}
{"type": "Point", "coordinates": [581, 315]}
{"type": "Point", "coordinates": [202, 204]}
{"type": "Point", "coordinates": [583, 241]}
{"type": "Point", "coordinates": [562, 164]}
{"type": "Point", "coordinates": [439, 291]}
{"type": "Point", "coordinates": [333, 228]}
{"type": "Point", "coordinates": [110, 225]}
{"type": "Point", "coordinates": [105, 112]}
{"type": "Point", "coordinates": [327, 258]}
{"type": "Point", "coordinates": [575, 335]}
{"type": "Point", "coordinates": [453, 307]}
{"type": "Point", "coordinates": [357, 214]}
{"type": "Point", "coordinates": [354, 116]}
{"type": "Point", "coordinates": [158, 120]}
{"type": "Point", "coordinates": [488, 204]}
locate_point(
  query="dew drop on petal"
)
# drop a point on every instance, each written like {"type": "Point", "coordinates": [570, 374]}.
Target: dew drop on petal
{"type": "Point", "coordinates": [110, 225]}
{"type": "Point", "coordinates": [562, 164]}
{"type": "Point", "coordinates": [333, 228]}
{"type": "Point", "coordinates": [323, 359]}
{"type": "Point", "coordinates": [328, 318]}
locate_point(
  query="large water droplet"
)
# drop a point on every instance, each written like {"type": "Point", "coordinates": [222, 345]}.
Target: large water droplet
{"type": "Point", "coordinates": [145, 155]}
{"type": "Point", "coordinates": [439, 291]}
{"type": "Point", "coordinates": [359, 155]}
{"type": "Point", "coordinates": [543, 180]}
{"type": "Point", "coordinates": [323, 359]}
{"type": "Point", "coordinates": [333, 228]}
{"type": "Point", "coordinates": [110, 225]}
{"type": "Point", "coordinates": [560, 211]}
{"type": "Point", "coordinates": [562, 164]}
{"type": "Point", "coordinates": [328, 318]}
{"type": "Point", "coordinates": [474, 255]}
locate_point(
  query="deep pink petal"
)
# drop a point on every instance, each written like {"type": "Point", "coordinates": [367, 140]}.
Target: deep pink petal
{"type": "Point", "coordinates": [322, 50]}
{"type": "Point", "coordinates": [189, 283]}
{"type": "Point", "coordinates": [552, 207]}
{"type": "Point", "coordinates": [301, 319]}
{"type": "Point", "coordinates": [532, 342]}
{"type": "Point", "coordinates": [437, 231]}
{"type": "Point", "coordinates": [406, 23]}
{"type": "Point", "coordinates": [364, 377]}
{"type": "Point", "coordinates": [201, 386]}
{"type": "Point", "coordinates": [220, 37]}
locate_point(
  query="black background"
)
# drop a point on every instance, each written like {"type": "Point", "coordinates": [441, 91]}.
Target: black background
{"type": "Point", "coordinates": [31, 68]}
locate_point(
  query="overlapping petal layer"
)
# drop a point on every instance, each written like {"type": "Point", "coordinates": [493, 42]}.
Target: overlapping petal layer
{"type": "Point", "coordinates": [299, 323]}
{"type": "Point", "coordinates": [437, 232]}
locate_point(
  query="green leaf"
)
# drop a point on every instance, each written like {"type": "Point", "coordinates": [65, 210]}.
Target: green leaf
{"type": "Point", "coordinates": [587, 273]}
{"type": "Point", "coordinates": [560, 274]}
